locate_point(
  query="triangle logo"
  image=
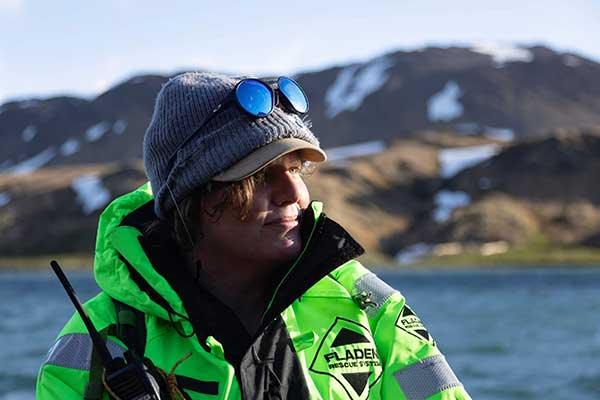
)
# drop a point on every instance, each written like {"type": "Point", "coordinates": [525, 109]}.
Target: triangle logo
{"type": "Point", "coordinates": [406, 312]}
{"type": "Point", "coordinates": [423, 333]}
{"type": "Point", "coordinates": [346, 336]}
{"type": "Point", "coordinates": [348, 355]}
{"type": "Point", "coordinates": [358, 380]}
{"type": "Point", "coordinates": [409, 322]}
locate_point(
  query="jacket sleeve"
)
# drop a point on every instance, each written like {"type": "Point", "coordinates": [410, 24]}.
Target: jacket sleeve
{"type": "Point", "coordinates": [64, 373]}
{"type": "Point", "coordinates": [59, 383]}
{"type": "Point", "coordinates": [413, 366]}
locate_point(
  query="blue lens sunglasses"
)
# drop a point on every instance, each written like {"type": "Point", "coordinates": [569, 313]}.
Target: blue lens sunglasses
{"type": "Point", "coordinates": [257, 99]}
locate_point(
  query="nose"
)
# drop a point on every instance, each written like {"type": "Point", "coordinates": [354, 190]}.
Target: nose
{"type": "Point", "coordinates": [288, 189]}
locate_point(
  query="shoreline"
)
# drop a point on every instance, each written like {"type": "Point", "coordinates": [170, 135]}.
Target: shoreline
{"type": "Point", "coordinates": [556, 258]}
{"type": "Point", "coordinates": [77, 262]}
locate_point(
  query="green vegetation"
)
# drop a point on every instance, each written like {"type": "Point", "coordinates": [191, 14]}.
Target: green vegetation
{"type": "Point", "coordinates": [536, 252]}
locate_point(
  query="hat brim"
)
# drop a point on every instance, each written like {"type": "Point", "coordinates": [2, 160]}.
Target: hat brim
{"type": "Point", "coordinates": [262, 157]}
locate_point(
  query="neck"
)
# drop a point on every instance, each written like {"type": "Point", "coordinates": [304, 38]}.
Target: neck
{"type": "Point", "coordinates": [241, 285]}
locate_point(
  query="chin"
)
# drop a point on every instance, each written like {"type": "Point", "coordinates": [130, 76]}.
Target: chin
{"type": "Point", "coordinates": [287, 250]}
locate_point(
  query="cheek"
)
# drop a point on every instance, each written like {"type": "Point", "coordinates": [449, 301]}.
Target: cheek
{"type": "Point", "coordinates": [304, 196]}
{"type": "Point", "coordinates": [260, 203]}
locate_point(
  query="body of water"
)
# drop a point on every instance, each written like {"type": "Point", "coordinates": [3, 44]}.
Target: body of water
{"type": "Point", "coordinates": [508, 334]}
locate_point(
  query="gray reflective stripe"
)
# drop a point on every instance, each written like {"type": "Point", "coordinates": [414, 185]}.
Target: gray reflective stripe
{"type": "Point", "coordinates": [377, 291]}
{"type": "Point", "coordinates": [75, 351]}
{"type": "Point", "coordinates": [426, 378]}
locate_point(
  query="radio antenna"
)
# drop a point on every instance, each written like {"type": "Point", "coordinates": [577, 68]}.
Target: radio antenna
{"type": "Point", "coordinates": [99, 344]}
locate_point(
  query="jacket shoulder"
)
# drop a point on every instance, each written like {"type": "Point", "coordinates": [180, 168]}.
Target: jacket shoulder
{"type": "Point", "coordinates": [369, 291]}
{"type": "Point", "coordinates": [413, 365]}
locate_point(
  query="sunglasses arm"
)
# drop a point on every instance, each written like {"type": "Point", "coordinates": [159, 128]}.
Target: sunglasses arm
{"type": "Point", "coordinates": [221, 107]}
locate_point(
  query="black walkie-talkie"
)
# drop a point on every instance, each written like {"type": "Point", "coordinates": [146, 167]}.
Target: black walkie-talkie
{"type": "Point", "coordinates": [127, 378]}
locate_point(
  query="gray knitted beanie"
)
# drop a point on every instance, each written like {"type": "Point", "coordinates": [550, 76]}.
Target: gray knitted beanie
{"type": "Point", "coordinates": [181, 106]}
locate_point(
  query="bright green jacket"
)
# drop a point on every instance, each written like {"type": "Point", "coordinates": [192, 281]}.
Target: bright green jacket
{"type": "Point", "coordinates": [351, 335]}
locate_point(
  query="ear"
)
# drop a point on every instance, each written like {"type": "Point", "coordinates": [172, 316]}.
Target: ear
{"type": "Point", "coordinates": [211, 214]}
{"type": "Point", "coordinates": [210, 207]}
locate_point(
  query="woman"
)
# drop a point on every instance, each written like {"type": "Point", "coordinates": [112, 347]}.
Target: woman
{"type": "Point", "coordinates": [235, 277]}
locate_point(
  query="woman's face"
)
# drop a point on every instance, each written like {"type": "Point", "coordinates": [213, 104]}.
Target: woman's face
{"type": "Point", "coordinates": [270, 233]}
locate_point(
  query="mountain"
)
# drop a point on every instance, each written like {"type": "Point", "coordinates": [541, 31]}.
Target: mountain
{"type": "Point", "coordinates": [442, 150]}
{"type": "Point", "coordinates": [509, 92]}
{"type": "Point", "coordinates": [524, 91]}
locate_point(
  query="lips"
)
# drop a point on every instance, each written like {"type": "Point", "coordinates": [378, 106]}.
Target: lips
{"type": "Point", "coordinates": [287, 221]}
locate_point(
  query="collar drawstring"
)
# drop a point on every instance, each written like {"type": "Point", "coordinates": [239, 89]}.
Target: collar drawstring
{"type": "Point", "coordinates": [272, 383]}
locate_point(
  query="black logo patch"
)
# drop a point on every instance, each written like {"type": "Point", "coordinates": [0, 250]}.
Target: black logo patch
{"type": "Point", "coordinates": [409, 322]}
{"type": "Point", "coordinates": [347, 353]}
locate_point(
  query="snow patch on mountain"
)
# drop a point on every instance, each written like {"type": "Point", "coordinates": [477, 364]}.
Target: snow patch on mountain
{"type": "Point", "coordinates": [501, 134]}
{"type": "Point", "coordinates": [491, 132]}
{"type": "Point", "coordinates": [503, 53]}
{"type": "Point", "coordinates": [119, 126]}
{"type": "Point", "coordinates": [29, 133]}
{"type": "Point", "coordinates": [354, 83]}
{"type": "Point", "coordinates": [335, 100]}
{"type": "Point", "coordinates": [69, 147]}
{"type": "Point", "coordinates": [34, 163]}
{"type": "Point", "coordinates": [95, 132]}
{"type": "Point", "coordinates": [91, 194]}
{"type": "Point", "coordinates": [454, 160]}
{"type": "Point", "coordinates": [571, 60]}
{"type": "Point", "coordinates": [444, 105]}
{"type": "Point", "coordinates": [447, 201]}
{"type": "Point", "coordinates": [342, 153]}
{"type": "Point", "coordinates": [4, 198]}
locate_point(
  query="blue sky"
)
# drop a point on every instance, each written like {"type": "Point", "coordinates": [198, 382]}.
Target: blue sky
{"type": "Point", "coordinates": [81, 48]}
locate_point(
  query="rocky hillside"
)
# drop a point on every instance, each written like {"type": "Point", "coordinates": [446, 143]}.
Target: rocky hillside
{"type": "Point", "coordinates": [542, 188]}
{"type": "Point", "coordinates": [549, 185]}
{"type": "Point", "coordinates": [56, 209]}
{"type": "Point", "coordinates": [435, 191]}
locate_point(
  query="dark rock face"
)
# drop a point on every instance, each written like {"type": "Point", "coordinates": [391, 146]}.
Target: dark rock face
{"type": "Point", "coordinates": [563, 167]}
{"type": "Point", "coordinates": [547, 186]}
